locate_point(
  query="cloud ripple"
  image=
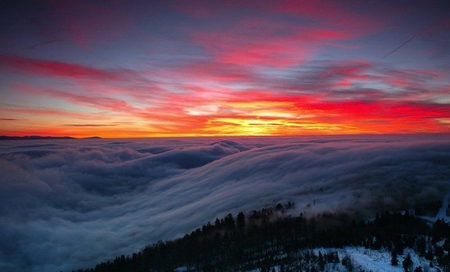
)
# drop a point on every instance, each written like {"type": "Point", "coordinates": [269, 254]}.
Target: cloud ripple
{"type": "Point", "coordinates": [73, 203]}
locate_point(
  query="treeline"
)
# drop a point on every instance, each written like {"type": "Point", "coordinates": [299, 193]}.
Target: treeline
{"type": "Point", "coordinates": [268, 238]}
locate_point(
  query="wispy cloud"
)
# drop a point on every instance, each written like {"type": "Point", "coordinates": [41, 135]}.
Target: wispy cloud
{"type": "Point", "coordinates": [36, 45]}
{"type": "Point", "coordinates": [265, 43]}
{"type": "Point", "coordinates": [89, 125]}
{"type": "Point", "coordinates": [38, 67]}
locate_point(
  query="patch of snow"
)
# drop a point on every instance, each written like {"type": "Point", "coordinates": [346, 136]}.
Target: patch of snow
{"type": "Point", "coordinates": [442, 213]}
{"type": "Point", "coordinates": [379, 260]}
{"type": "Point", "coordinates": [441, 243]}
{"type": "Point", "coordinates": [370, 260]}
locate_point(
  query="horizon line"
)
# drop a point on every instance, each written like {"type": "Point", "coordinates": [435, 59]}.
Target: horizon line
{"type": "Point", "coordinates": [68, 137]}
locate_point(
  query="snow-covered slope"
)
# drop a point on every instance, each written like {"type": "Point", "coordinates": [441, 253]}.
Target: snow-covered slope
{"type": "Point", "coordinates": [367, 260]}
{"type": "Point", "coordinates": [442, 213]}
{"type": "Point", "coordinates": [380, 260]}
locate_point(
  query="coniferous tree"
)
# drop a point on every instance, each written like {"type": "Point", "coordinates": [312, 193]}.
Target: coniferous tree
{"type": "Point", "coordinates": [279, 207]}
{"type": "Point", "coordinates": [217, 223]}
{"type": "Point", "coordinates": [240, 220]}
{"type": "Point", "coordinates": [429, 255]}
{"type": "Point", "coordinates": [421, 247]}
{"type": "Point", "coordinates": [394, 260]}
{"type": "Point", "coordinates": [227, 246]}
{"type": "Point", "coordinates": [321, 261]}
{"type": "Point", "coordinates": [229, 221]}
{"type": "Point", "coordinates": [347, 262]}
{"type": "Point", "coordinates": [408, 263]}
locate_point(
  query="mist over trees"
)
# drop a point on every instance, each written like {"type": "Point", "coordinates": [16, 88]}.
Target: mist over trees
{"type": "Point", "coordinates": [270, 238]}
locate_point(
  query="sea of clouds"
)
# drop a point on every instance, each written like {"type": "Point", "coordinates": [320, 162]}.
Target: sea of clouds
{"type": "Point", "coordinates": [69, 204]}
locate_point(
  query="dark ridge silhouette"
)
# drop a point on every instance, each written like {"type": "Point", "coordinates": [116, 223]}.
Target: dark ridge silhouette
{"type": "Point", "coordinates": [271, 238]}
{"type": "Point", "coordinates": [37, 137]}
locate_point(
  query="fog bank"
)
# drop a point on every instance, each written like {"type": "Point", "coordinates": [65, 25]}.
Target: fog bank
{"type": "Point", "coordinates": [67, 204]}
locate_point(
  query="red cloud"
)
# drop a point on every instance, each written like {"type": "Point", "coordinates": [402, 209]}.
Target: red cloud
{"type": "Point", "coordinates": [289, 113]}
{"type": "Point", "coordinates": [54, 68]}
{"type": "Point", "coordinates": [266, 43]}
{"type": "Point", "coordinates": [93, 100]}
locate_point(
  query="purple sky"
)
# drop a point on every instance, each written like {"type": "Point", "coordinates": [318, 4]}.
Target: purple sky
{"type": "Point", "coordinates": [195, 68]}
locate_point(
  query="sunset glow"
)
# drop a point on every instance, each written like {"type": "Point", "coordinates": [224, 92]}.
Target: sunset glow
{"type": "Point", "coordinates": [208, 68]}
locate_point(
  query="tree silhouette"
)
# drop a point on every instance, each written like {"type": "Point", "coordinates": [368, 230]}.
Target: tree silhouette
{"type": "Point", "coordinates": [394, 260]}
{"type": "Point", "coordinates": [408, 263]}
{"type": "Point", "coordinates": [240, 220]}
{"type": "Point", "coordinates": [234, 244]}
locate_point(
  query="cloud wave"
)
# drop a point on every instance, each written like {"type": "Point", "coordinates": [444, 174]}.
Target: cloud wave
{"type": "Point", "coordinates": [68, 204]}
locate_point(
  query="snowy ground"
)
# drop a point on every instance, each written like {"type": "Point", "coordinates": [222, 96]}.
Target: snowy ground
{"type": "Point", "coordinates": [379, 260]}
{"type": "Point", "coordinates": [375, 260]}
{"type": "Point", "coordinates": [442, 211]}
{"type": "Point", "coordinates": [371, 260]}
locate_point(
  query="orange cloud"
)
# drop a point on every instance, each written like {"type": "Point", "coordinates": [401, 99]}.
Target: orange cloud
{"type": "Point", "coordinates": [285, 68]}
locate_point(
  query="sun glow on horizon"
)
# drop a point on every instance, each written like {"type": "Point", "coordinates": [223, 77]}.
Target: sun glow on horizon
{"type": "Point", "coordinates": [278, 68]}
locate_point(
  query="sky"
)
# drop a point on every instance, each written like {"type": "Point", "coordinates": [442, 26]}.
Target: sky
{"type": "Point", "coordinates": [220, 68]}
{"type": "Point", "coordinates": [70, 204]}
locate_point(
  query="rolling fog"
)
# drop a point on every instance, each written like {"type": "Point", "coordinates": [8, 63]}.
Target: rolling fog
{"type": "Point", "coordinates": [68, 204]}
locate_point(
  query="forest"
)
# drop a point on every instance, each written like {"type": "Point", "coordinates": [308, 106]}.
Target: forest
{"type": "Point", "coordinates": [272, 237]}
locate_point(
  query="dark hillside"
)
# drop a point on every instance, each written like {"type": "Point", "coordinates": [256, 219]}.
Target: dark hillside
{"type": "Point", "coordinates": [268, 238]}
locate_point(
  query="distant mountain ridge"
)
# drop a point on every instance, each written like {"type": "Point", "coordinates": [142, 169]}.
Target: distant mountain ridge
{"type": "Point", "coordinates": [36, 137]}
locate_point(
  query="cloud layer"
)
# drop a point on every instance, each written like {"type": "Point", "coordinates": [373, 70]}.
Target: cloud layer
{"type": "Point", "coordinates": [69, 204]}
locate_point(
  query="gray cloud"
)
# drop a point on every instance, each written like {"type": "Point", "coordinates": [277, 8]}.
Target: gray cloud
{"type": "Point", "coordinates": [69, 204]}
